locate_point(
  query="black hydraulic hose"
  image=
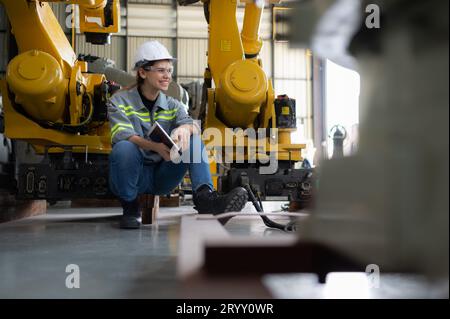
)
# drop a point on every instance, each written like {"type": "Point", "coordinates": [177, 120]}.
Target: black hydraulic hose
{"type": "Point", "coordinates": [259, 208]}
{"type": "Point", "coordinates": [291, 226]}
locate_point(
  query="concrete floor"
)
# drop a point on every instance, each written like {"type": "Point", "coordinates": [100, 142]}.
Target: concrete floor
{"type": "Point", "coordinates": [113, 263]}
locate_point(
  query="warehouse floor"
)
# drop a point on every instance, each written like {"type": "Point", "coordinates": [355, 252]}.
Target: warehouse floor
{"type": "Point", "coordinates": [113, 263]}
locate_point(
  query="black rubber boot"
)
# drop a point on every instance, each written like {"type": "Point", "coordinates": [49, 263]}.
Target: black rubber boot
{"type": "Point", "coordinates": [130, 218]}
{"type": "Point", "coordinates": [208, 201]}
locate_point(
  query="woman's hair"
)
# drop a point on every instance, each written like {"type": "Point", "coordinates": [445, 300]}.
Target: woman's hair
{"type": "Point", "coordinates": [139, 80]}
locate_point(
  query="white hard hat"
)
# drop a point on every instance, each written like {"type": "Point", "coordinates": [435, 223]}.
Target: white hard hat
{"type": "Point", "coordinates": [151, 51]}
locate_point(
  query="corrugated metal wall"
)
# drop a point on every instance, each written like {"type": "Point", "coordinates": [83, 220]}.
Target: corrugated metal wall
{"type": "Point", "coordinates": [151, 20]}
{"type": "Point", "coordinates": [289, 63]}
{"type": "Point", "coordinates": [293, 77]}
{"type": "Point", "coordinates": [192, 43]}
{"type": "Point", "coordinates": [266, 57]}
{"type": "Point", "coordinates": [192, 58]}
{"type": "Point", "coordinates": [191, 22]}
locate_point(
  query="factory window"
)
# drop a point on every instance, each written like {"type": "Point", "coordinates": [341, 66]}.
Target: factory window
{"type": "Point", "coordinates": [342, 105]}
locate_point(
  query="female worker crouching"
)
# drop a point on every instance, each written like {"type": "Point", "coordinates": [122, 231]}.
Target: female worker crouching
{"type": "Point", "coordinates": [139, 165]}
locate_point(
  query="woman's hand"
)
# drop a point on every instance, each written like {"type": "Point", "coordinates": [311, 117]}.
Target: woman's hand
{"type": "Point", "coordinates": [162, 150]}
{"type": "Point", "coordinates": [148, 145]}
{"type": "Point", "coordinates": [181, 136]}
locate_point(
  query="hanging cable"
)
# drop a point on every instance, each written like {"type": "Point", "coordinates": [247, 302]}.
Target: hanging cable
{"type": "Point", "coordinates": [256, 201]}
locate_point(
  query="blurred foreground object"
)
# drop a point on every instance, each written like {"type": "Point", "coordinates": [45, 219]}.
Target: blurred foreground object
{"type": "Point", "coordinates": [384, 210]}
{"type": "Point", "coordinates": [388, 204]}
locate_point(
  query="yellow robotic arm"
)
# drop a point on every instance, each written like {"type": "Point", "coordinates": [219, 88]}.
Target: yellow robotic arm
{"type": "Point", "coordinates": [108, 12]}
{"type": "Point", "coordinates": [243, 96]}
{"type": "Point", "coordinates": [46, 86]}
{"type": "Point", "coordinates": [240, 97]}
{"type": "Point", "coordinates": [241, 83]}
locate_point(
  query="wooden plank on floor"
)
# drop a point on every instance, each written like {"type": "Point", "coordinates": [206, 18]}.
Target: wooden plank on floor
{"type": "Point", "coordinates": [12, 209]}
{"type": "Point", "coordinates": [193, 235]}
{"type": "Point", "coordinates": [172, 201]}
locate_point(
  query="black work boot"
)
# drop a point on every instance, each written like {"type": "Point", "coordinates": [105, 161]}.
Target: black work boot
{"type": "Point", "coordinates": [131, 214]}
{"type": "Point", "coordinates": [208, 201]}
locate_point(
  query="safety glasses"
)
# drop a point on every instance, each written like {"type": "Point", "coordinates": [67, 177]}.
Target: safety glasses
{"type": "Point", "coordinates": [158, 69]}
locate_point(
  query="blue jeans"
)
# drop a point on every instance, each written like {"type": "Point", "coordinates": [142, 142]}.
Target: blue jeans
{"type": "Point", "coordinates": [129, 177]}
